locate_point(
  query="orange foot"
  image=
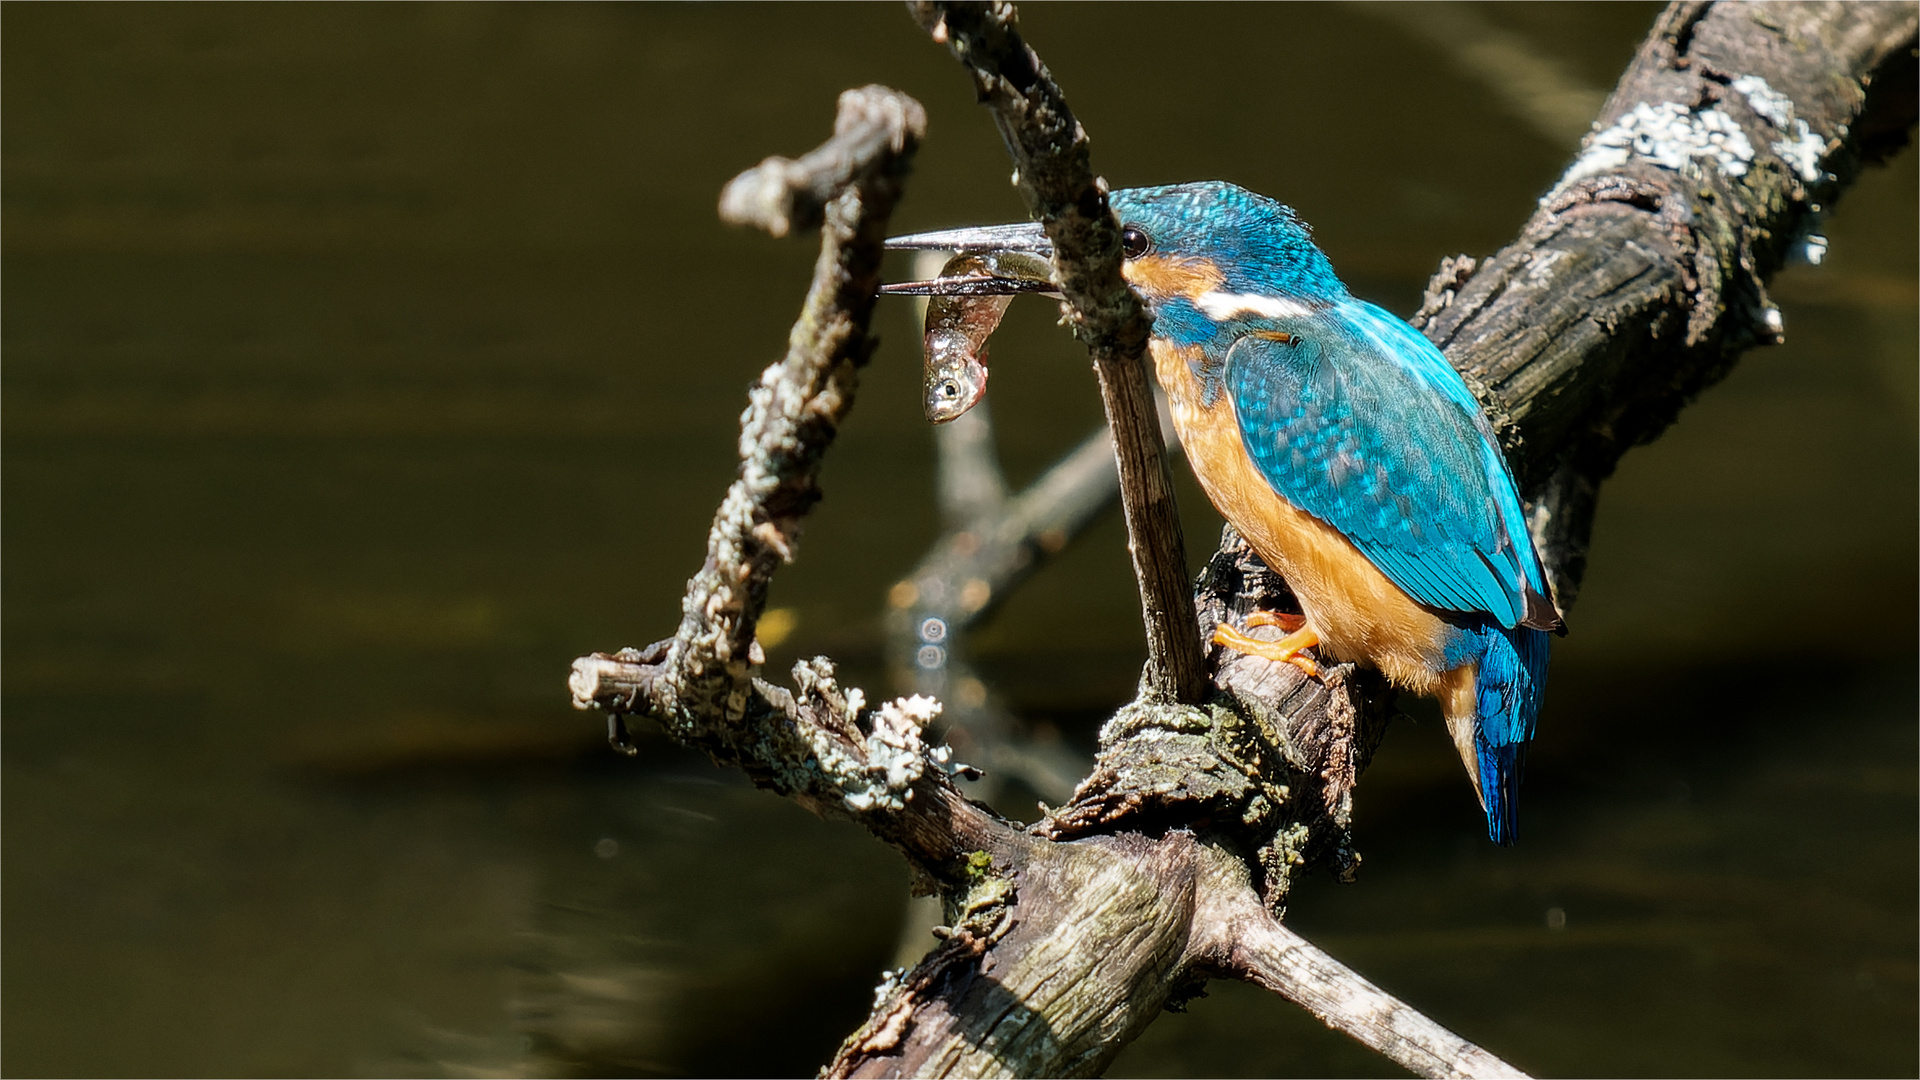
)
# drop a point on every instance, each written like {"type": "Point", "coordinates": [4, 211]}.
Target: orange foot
{"type": "Point", "coordinates": [1284, 651]}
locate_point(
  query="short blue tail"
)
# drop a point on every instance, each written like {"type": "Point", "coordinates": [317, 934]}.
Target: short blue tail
{"type": "Point", "coordinates": [1511, 680]}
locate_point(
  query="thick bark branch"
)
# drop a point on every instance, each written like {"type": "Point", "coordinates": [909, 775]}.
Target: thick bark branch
{"type": "Point", "coordinates": [1130, 920]}
{"type": "Point", "coordinates": [1007, 994]}
{"type": "Point", "coordinates": [1642, 276]}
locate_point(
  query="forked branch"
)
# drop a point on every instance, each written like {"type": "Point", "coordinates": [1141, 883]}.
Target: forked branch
{"type": "Point", "coordinates": [1637, 283]}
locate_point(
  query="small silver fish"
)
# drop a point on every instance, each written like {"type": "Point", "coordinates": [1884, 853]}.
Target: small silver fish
{"type": "Point", "coordinates": [958, 326]}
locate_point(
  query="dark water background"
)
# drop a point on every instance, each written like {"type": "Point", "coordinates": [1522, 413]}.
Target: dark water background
{"type": "Point", "coordinates": [365, 364]}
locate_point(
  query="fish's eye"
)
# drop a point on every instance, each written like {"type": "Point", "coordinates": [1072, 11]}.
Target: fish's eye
{"type": "Point", "coordinates": [1133, 242]}
{"type": "Point", "coordinates": [950, 390]}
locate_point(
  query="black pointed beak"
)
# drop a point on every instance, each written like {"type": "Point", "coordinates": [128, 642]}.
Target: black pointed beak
{"type": "Point", "coordinates": [1026, 238]}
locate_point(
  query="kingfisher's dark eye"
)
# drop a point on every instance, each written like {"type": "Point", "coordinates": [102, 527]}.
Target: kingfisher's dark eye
{"type": "Point", "coordinates": [1134, 242]}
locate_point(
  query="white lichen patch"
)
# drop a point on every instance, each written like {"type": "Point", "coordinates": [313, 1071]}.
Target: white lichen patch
{"type": "Point", "coordinates": [1668, 135]}
{"type": "Point", "coordinates": [891, 758]}
{"type": "Point", "coordinates": [873, 771]}
{"type": "Point", "coordinates": [890, 980]}
{"type": "Point", "coordinates": [1765, 100]}
{"type": "Point", "coordinates": [942, 758]}
{"type": "Point", "coordinates": [919, 708]}
{"type": "Point", "coordinates": [1801, 149]}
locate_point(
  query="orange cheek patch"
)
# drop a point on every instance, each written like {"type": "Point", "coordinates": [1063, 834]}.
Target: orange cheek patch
{"type": "Point", "coordinates": [1161, 275]}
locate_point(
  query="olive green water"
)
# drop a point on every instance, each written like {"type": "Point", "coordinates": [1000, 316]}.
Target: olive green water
{"type": "Point", "coordinates": [363, 365]}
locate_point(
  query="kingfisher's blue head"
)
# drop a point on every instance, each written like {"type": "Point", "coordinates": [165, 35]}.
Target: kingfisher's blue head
{"type": "Point", "coordinates": [1206, 257]}
{"type": "Point", "coordinates": [1187, 239]}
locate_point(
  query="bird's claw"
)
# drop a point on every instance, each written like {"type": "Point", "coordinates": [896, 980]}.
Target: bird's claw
{"type": "Point", "coordinates": [1287, 650]}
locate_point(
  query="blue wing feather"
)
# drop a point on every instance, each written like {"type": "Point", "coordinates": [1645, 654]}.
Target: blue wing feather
{"type": "Point", "coordinates": [1362, 423]}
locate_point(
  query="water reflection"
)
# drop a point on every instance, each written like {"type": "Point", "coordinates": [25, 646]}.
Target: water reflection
{"type": "Point", "coordinates": [364, 365]}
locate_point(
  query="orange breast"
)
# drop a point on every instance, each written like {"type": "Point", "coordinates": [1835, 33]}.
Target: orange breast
{"type": "Point", "coordinates": [1359, 613]}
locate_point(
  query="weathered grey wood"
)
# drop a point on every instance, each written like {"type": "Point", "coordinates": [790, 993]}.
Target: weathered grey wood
{"type": "Point", "coordinates": [700, 683]}
{"type": "Point", "coordinates": [1006, 992]}
{"type": "Point", "coordinates": [1240, 937]}
{"type": "Point", "coordinates": [1132, 920]}
{"type": "Point", "coordinates": [874, 129]}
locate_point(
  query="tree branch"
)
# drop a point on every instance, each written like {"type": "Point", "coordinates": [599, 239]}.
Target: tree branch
{"type": "Point", "coordinates": [1053, 173]}
{"type": "Point", "coordinates": [821, 745]}
{"type": "Point", "coordinates": [1642, 276]}
{"type": "Point", "coordinates": [1238, 937]}
{"type": "Point", "coordinates": [1636, 284]}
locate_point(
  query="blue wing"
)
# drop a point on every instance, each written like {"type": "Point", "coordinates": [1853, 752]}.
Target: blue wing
{"type": "Point", "coordinates": [1361, 422]}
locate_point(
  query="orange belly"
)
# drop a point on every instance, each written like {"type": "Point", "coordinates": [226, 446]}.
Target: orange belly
{"type": "Point", "coordinates": [1360, 614]}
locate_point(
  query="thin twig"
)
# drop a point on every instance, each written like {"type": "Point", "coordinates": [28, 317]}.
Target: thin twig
{"type": "Point", "coordinates": [1053, 173]}
{"type": "Point", "coordinates": [1236, 936]}
{"type": "Point", "coordinates": [1268, 954]}
{"type": "Point", "coordinates": [875, 130]}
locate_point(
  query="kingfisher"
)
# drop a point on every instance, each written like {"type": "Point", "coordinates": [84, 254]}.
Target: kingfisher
{"type": "Point", "coordinates": [1348, 452]}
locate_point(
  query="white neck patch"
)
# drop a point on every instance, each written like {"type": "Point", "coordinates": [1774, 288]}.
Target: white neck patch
{"type": "Point", "coordinates": [1225, 305]}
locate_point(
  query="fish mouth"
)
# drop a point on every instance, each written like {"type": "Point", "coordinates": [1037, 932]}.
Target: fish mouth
{"type": "Point", "coordinates": [1027, 238]}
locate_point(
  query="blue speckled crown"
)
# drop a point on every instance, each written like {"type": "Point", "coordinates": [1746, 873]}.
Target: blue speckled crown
{"type": "Point", "coordinates": [1257, 243]}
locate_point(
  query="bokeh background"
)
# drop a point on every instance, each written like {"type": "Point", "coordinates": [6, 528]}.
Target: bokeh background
{"type": "Point", "coordinates": [365, 364]}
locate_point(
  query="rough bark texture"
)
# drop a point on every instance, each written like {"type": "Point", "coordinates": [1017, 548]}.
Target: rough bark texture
{"type": "Point", "coordinates": [1635, 285]}
{"type": "Point", "coordinates": [700, 683]}
{"type": "Point", "coordinates": [1003, 987]}
{"type": "Point", "coordinates": [1642, 276]}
